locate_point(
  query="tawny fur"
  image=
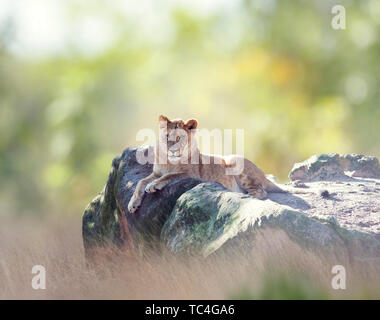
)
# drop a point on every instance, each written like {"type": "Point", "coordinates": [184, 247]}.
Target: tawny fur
{"type": "Point", "coordinates": [251, 180]}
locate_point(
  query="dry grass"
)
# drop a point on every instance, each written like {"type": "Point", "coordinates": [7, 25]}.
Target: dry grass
{"type": "Point", "coordinates": [277, 268]}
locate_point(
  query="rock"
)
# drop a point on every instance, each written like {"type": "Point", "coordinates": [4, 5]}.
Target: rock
{"type": "Point", "coordinates": [103, 221]}
{"type": "Point", "coordinates": [360, 166]}
{"type": "Point", "coordinates": [191, 216]}
{"type": "Point", "coordinates": [318, 167]}
{"type": "Point", "coordinates": [208, 216]}
{"type": "Point", "coordinates": [333, 167]}
{"type": "Point", "coordinates": [299, 184]}
{"type": "Point", "coordinates": [324, 193]}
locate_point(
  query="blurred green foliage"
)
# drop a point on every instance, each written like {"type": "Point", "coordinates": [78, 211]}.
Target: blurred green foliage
{"type": "Point", "coordinates": [276, 69]}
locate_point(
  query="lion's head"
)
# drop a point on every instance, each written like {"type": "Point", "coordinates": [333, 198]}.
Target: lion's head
{"type": "Point", "coordinates": [178, 137]}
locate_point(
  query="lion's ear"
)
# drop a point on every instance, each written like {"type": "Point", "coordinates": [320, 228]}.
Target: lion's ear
{"type": "Point", "coordinates": [163, 121]}
{"type": "Point", "coordinates": [191, 124]}
{"type": "Point", "coordinates": [163, 118]}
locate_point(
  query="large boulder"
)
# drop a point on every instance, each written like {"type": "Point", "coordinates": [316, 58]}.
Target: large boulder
{"type": "Point", "coordinates": [208, 216]}
{"type": "Point", "coordinates": [106, 220]}
{"type": "Point", "coordinates": [189, 216]}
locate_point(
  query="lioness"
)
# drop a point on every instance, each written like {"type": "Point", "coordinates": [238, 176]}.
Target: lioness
{"type": "Point", "coordinates": [177, 155]}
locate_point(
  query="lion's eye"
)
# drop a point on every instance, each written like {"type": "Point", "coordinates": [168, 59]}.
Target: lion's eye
{"type": "Point", "coordinates": [177, 139]}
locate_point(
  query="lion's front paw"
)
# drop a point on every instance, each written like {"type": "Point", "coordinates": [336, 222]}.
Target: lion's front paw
{"type": "Point", "coordinates": [134, 204]}
{"type": "Point", "coordinates": [151, 188]}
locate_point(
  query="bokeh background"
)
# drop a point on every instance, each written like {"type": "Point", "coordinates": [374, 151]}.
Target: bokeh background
{"type": "Point", "coordinates": [78, 79]}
